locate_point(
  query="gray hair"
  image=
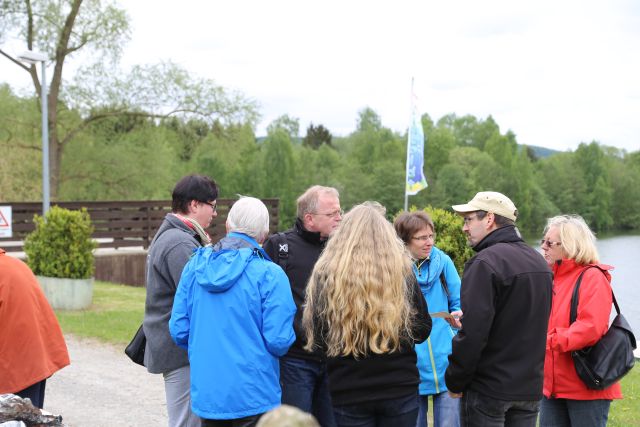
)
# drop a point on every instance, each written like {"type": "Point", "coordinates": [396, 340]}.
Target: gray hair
{"type": "Point", "coordinates": [249, 216]}
{"type": "Point", "coordinates": [308, 202]}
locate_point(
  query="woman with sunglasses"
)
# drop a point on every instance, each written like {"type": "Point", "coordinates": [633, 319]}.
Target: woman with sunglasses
{"type": "Point", "coordinates": [569, 248]}
{"type": "Point", "coordinates": [440, 284]}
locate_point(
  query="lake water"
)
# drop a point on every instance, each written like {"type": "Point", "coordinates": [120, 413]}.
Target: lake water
{"type": "Point", "coordinates": [623, 253]}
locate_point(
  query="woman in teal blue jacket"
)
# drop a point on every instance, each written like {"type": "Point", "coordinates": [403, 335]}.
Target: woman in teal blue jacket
{"type": "Point", "coordinates": [440, 285]}
{"type": "Point", "coordinates": [233, 311]}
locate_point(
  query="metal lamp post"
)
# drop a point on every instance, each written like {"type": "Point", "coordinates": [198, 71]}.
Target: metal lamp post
{"type": "Point", "coordinates": [31, 57]}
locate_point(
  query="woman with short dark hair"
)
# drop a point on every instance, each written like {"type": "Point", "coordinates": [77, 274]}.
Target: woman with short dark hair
{"type": "Point", "coordinates": [440, 284]}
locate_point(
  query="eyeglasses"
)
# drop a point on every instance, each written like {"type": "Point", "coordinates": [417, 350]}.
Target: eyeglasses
{"type": "Point", "coordinates": [468, 219]}
{"type": "Point", "coordinates": [333, 214]}
{"type": "Point", "coordinates": [431, 237]}
{"type": "Point", "coordinates": [213, 205]}
{"type": "Point", "coordinates": [549, 243]}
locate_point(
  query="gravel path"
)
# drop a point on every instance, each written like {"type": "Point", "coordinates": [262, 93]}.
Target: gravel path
{"type": "Point", "coordinates": [102, 387]}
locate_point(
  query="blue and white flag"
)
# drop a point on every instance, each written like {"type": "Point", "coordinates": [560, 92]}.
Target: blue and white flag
{"type": "Point", "coordinates": [416, 180]}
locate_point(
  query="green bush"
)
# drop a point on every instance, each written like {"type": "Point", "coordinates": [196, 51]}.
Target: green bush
{"type": "Point", "coordinates": [449, 235]}
{"type": "Point", "coordinates": [61, 244]}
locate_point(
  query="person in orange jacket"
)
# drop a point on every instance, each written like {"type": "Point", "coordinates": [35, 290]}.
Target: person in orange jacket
{"type": "Point", "coordinates": [569, 249]}
{"type": "Point", "coordinates": [32, 347]}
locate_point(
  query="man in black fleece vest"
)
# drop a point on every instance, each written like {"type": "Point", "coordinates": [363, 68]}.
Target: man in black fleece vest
{"type": "Point", "coordinates": [497, 359]}
{"type": "Point", "coordinates": [303, 375]}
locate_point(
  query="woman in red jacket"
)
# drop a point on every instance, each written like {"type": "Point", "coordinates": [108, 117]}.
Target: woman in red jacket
{"type": "Point", "coordinates": [569, 248]}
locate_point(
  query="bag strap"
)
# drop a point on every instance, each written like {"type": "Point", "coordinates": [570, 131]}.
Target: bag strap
{"type": "Point", "coordinates": [256, 247]}
{"type": "Point", "coordinates": [573, 314]}
{"type": "Point", "coordinates": [443, 282]}
{"type": "Point", "coordinates": [280, 239]}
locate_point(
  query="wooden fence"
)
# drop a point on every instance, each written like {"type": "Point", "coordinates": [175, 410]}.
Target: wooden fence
{"type": "Point", "coordinates": [120, 224]}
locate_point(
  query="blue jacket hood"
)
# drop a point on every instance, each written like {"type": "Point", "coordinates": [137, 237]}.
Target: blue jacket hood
{"type": "Point", "coordinates": [231, 255]}
{"type": "Point", "coordinates": [229, 266]}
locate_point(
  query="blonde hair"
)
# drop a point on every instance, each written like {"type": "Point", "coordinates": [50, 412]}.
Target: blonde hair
{"type": "Point", "coordinates": [358, 299]}
{"type": "Point", "coordinates": [577, 239]}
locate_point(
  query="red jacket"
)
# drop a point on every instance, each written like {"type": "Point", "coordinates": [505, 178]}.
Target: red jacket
{"type": "Point", "coordinates": [592, 322]}
{"type": "Point", "coordinates": [32, 347]}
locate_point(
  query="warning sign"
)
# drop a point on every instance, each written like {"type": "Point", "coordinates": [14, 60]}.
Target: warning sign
{"type": "Point", "coordinates": [5, 222]}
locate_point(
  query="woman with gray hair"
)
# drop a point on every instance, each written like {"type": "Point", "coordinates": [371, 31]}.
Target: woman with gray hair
{"type": "Point", "coordinates": [569, 248]}
{"type": "Point", "coordinates": [233, 312]}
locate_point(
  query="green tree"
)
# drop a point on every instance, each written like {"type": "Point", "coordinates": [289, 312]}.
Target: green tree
{"type": "Point", "coordinates": [20, 173]}
{"type": "Point", "coordinates": [317, 136]}
{"type": "Point", "coordinates": [63, 30]}
{"type": "Point", "coordinates": [625, 184]}
{"type": "Point", "coordinates": [279, 168]}
{"type": "Point", "coordinates": [591, 162]}
{"type": "Point", "coordinates": [291, 125]}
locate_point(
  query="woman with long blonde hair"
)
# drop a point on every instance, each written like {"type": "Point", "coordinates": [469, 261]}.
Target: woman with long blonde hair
{"type": "Point", "coordinates": [365, 310]}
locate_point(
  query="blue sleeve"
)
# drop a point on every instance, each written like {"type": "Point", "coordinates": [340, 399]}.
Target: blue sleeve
{"type": "Point", "coordinates": [453, 282]}
{"type": "Point", "coordinates": [179, 323]}
{"type": "Point", "coordinates": [278, 310]}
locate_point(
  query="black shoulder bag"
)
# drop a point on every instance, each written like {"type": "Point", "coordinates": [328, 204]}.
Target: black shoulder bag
{"type": "Point", "coordinates": [135, 349]}
{"type": "Point", "coordinates": [611, 358]}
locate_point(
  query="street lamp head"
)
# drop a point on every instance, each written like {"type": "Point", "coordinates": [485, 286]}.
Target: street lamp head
{"type": "Point", "coordinates": [32, 57]}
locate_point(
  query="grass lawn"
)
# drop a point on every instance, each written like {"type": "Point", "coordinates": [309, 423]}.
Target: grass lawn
{"type": "Point", "coordinates": [117, 312]}
{"type": "Point", "coordinates": [114, 316]}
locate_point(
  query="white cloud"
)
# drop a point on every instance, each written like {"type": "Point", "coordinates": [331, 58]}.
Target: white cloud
{"type": "Point", "coordinates": [555, 73]}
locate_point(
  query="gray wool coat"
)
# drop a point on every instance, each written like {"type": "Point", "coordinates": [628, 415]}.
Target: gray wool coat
{"type": "Point", "coordinates": [170, 250]}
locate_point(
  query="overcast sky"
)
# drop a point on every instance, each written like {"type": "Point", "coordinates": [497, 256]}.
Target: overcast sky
{"type": "Point", "coordinates": [556, 73]}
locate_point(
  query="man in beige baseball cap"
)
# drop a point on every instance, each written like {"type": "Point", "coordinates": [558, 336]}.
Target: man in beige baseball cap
{"type": "Point", "coordinates": [503, 212]}
{"type": "Point", "coordinates": [497, 359]}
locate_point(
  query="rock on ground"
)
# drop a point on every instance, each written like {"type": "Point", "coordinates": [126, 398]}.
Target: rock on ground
{"type": "Point", "coordinates": [102, 387]}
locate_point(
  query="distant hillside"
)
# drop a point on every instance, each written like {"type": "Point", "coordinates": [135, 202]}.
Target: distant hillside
{"type": "Point", "coordinates": [543, 152]}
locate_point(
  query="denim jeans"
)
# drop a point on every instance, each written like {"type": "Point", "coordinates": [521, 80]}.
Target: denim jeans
{"type": "Point", "coordinates": [568, 413]}
{"type": "Point", "coordinates": [400, 412]}
{"type": "Point", "coordinates": [305, 385]}
{"type": "Point", "coordinates": [479, 410]}
{"type": "Point", "coordinates": [446, 410]}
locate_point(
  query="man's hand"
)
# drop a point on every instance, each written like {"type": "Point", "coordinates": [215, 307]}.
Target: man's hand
{"type": "Point", "coordinates": [455, 322]}
{"type": "Point", "coordinates": [455, 395]}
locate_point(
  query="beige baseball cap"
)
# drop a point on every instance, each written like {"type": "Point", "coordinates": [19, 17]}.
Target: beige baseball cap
{"type": "Point", "coordinates": [490, 201]}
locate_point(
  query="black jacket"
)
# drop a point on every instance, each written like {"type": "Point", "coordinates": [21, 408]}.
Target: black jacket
{"type": "Point", "coordinates": [381, 376]}
{"type": "Point", "coordinates": [506, 300]}
{"type": "Point", "coordinates": [302, 251]}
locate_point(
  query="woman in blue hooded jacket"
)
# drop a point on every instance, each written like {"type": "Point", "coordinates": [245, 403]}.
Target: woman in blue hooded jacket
{"type": "Point", "coordinates": [233, 311]}
{"type": "Point", "coordinates": [440, 285]}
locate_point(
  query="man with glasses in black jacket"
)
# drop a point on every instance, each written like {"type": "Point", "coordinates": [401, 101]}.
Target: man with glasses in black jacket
{"type": "Point", "coordinates": [303, 375]}
{"type": "Point", "coordinates": [497, 360]}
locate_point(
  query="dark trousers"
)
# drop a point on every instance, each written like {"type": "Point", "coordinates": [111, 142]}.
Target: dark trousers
{"type": "Point", "coordinates": [250, 421]}
{"type": "Point", "coordinates": [305, 385]}
{"type": "Point", "coordinates": [35, 393]}
{"type": "Point", "coordinates": [399, 412]}
{"type": "Point", "coordinates": [479, 410]}
{"type": "Point", "coordinates": [569, 413]}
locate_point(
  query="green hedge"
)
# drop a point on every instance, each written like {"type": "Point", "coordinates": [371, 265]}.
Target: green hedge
{"type": "Point", "coordinates": [61, 245]}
